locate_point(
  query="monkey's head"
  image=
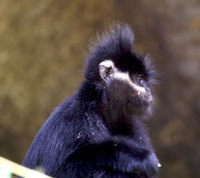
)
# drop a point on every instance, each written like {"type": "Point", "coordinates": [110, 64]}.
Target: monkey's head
{"type": "Point", "coordinates": [129, 90]}
{"type": "Point", "coordinates": [124, 77]}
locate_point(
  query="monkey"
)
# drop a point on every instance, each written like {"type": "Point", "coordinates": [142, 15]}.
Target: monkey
{"type": "Point", "coordinates": [99, 131]}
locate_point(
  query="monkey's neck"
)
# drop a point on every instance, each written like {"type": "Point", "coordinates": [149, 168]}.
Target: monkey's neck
{"type": "Point", "coordinates": [126, 127]}
{"type": "Point", "coordinates": [121, 123]}
{"type": "Point", "coordinates": [114, 119]}
{"type": "Point", "coordinates": [122, 128]}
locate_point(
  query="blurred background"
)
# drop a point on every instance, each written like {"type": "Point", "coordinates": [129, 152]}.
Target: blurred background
{"type": "Point", "coordinates": [42, 53]}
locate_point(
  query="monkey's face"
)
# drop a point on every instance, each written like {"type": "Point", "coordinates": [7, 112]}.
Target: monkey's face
{"type": "Point", "coordinates": [128, 91]}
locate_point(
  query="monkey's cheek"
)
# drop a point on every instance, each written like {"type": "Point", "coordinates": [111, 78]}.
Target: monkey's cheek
{"type": "Point", "coordinates": [119, 89]}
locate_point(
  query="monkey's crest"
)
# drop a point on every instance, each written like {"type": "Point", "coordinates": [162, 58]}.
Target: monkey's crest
{"type": "Point", "coordinates": [117, 44]}
{"type": "Point", "coordinates": [113, 44]}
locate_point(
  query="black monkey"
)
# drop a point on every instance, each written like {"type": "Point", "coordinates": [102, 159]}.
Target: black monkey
{"type": "Point", "coordinates": [98, 132]}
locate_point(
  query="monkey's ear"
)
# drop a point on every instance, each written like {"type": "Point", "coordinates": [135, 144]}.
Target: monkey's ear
{"type": "Point", "coordinates": [106, 69]}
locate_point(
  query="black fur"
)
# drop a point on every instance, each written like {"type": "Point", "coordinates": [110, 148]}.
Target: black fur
{"type": "Point", "coordinates": [98, 132]}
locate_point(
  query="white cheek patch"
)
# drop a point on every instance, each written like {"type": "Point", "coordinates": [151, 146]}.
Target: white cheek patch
{"type": "Point", "coordinates": [107, 64]}
{"type": "Point", "coordinates": [116, 74]}
{"type": "Point", "coordinates": [125, 77]}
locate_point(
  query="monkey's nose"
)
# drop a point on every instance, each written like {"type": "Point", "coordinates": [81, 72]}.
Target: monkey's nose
{"type": "Point", "coordinates": [146, 95]}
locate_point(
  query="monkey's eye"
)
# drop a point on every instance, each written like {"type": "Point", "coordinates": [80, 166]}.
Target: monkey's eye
{"type": "Point", "coordinates": [140, 77]}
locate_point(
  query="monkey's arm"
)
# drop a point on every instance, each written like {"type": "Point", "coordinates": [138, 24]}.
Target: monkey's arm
{"type": "Point", "coordinates": [110, 159]}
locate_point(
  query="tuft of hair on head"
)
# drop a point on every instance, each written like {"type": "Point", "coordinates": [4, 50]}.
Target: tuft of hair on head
{"type": "Point", "coordinates": [112, 44]}
{"type": "Point", "coordinates": [117, 35]}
